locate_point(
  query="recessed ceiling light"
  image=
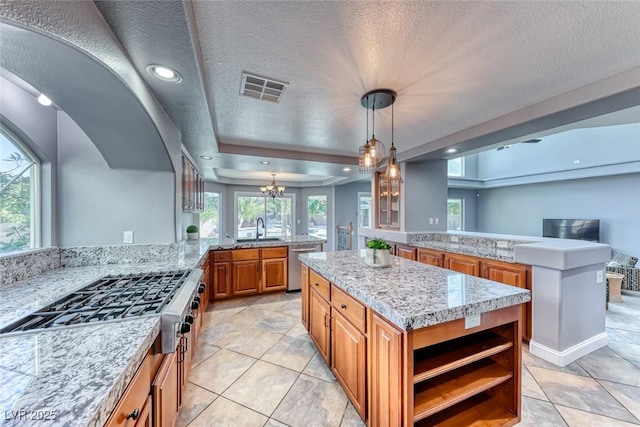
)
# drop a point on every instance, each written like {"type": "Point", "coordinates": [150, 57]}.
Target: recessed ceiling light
{"type": "Point", "coordinates": [206, 157]}
{"type": "Point", "coordinates": [451, 150]}
{"type": "Point", "coordinates": [164, 73]}
{"type": "Point", "coordinates": [346, 169]}
{"type": "Point", "coordinates": [42, 99]}
{"type": "Point", "coordinates": [264, 162]}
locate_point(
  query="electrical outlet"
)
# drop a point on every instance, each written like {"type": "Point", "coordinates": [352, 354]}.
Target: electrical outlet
{"type": "Point", "coordinates": [472, 321]}
{"type": "Point", "coordinates": [502, 244]}
{"type": "Point", "coordinates": [599, 277]}
{"type": "Point", "coordinates": [454, 239]}
{"type": "Point", "coordinates": [128, 237]}
{"type": "Point", "coordinates": [437, 221]}
{"type": "Point", "coordinates": [430, 220]}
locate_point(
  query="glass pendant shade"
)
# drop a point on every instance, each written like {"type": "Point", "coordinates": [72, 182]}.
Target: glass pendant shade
{"type": "Point", "coordinates": [366, 161]}
{"type": "Point", "coordinates": [393, 168]}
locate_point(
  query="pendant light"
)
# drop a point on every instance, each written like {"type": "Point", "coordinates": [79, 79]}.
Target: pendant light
{"type": "Point", "coordinates": [272, 190]}
{"type": "Point", "coordinates": [377, 147]}
{"type": "Point", "coordinates": [393, 168]}
{"type": "Point", "coordinates": [365, 159]}
{"type": "Point", "coordinates": [373, 151]}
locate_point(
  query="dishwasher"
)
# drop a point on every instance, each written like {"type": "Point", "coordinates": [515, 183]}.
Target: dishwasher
{"type": "Point", "coordinates": [294, 264]}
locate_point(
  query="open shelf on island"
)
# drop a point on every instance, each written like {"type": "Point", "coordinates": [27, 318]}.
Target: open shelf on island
{"type": "Point", "coordinates": [450, 355]}
{"type": "Point", "coordinates": [453, 387]}
{"type": "Point", "coordinates": [479, 411]}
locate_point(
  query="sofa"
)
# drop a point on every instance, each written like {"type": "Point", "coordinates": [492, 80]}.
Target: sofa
{"type": "Point", "coordinates": [625, 264]}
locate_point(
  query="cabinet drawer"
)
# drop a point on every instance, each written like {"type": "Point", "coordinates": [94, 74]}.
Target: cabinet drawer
{"type": "Point", "coordinates": [134, 397]}
{"type": "Point", "coordinates": [350, 308]}
{"type": "Point", "coordinates": [221, 256]}
{"type": "Point", "coordinates": [244, 254]}
{"type": "Point", "coordinates": [274, 253]}
{"type": "Point", "coordinates": [320, 284]}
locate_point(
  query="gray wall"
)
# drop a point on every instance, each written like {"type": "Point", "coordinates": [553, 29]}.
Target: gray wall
{"type": "Point", "coordinates": [424, 195]}
{"type": "Point", "coordinates": [96, 203]}
{"type": "Point", "coordinates": [470, 203]}
{"type": "Point", "coordinates": [614, 200]}
{"type": "Point", "coordinates": [346, 205]}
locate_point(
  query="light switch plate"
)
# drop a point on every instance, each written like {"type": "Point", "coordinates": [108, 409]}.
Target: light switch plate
{"type": "Point", "coordinates": [128, 237]}
{"type": "Point", "coordinates": [599, 277]}
{"type": "Point", "coordinates": [454, 239]}
{"type": "Point", "coordinates": [472, 321]}
{"type": "Point", "coordinates": [502, 244]}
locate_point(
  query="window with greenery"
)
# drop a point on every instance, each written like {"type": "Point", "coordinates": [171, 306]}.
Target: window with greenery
{"type": "Point", "coordinates": [317, 215]}
{"type": "Point", "coordinates": [455, 167]}
{"type": "Point", "coordinates": [210, 216]}
{"type": "Point", "coordinates": [277, 214]}
{"type": "Point", "coordinates": [18, 195]}
{"type": "Point", "coordinates": [455, 214]}
{"type": "Point", "coordinates": [364, 209]}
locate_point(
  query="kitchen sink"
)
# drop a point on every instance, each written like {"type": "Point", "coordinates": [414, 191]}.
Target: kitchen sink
{"type": "Point", "coordinates": [265, 239]}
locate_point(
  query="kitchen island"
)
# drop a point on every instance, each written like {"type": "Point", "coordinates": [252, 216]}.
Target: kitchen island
{"type": "Point", "coordinates": [76, 375]}
{"type": "Point", "coordinates": [414, 343]}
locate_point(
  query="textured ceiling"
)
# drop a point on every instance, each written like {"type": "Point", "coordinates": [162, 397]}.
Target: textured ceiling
{"type": "Point", "coordinates": [468, 73]}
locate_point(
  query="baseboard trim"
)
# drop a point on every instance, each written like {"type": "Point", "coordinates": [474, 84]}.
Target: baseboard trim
{"type": "Point", "coordinates": [563, 358]}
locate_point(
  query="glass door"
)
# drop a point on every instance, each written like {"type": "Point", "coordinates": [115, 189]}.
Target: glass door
{"type": "Point", "coordinates": [317, 214]}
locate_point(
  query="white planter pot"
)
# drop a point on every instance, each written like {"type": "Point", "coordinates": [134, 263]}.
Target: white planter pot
{"type": "Point", "coordinates": [378, 257]}
{"type": "Point", "coordinates": [192, 236]}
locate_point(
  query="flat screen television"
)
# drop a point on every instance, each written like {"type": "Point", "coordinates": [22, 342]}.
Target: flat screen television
{"type": "Point", "coordinates": [580, 229]}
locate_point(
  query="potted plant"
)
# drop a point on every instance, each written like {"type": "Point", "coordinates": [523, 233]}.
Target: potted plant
{"type": "Point", "coordinates": [378, 254]}
{"type": "Point", "coordinates": [192, 232]}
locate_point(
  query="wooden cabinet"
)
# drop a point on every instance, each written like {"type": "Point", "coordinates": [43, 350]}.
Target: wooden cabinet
{"type": "Point", "coordinates": [165, 392]}
{"type": "Point", "coordinates": [387, 202]}
{"type": "Point", "coordinates": [405, 251]}
{"type": "Point", "coordinates": [431, 257]}
{"type": "Point", "coordinates": [349, 360]}
{"type": "Point", "coordinates": [320, 324]}
{"type": "Point", "coordinates": [515, 275]}
{"type": "Point", "coordinates": [274, 269]}
{"type": "Point", "coordinates": [304, 277]}
{"type": "Point", "coordinates": [462, 264]}
{"type": "Point", "coordinates": [385, 373]}
{"type": "Point", "coordinates": [192, 187]}
{"type": "Point", "coordinates": [221, 281]}
{"type": "Point", "coordinates": [246, 277]}
{"type": "Point", "coordinates": [131, 407]}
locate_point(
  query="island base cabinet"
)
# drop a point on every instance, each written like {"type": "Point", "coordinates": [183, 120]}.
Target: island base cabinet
{"type": "Point", "coordinates": [132, 407]}
{"type": "Point", "coordinates": [304, 277]}
{"type": "Point", "coordinates": [165, 393]}
{"type": "Point", "coordinates": [385, 374]}
{"type": "Point", "coordinates": [320, 324]}
{"type": "Point", "coordinates": [349, 360]}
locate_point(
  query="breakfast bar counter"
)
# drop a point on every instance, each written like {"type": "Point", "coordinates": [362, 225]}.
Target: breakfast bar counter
{"type": "Point", "coordinates": [414, 344]}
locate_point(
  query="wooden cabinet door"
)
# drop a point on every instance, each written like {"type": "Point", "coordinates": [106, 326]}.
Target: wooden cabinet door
{"type": "Point", "coordinates": [405, 251]}
{"type": "Point", "coordinates": [431, 257]}
{"type": "Point", "coordinates": [515, 275]}
{"type": "Point", "coordinates": [132, 402]}
{"type": "Point", "coordinates": [165, 392]}
{"type": "Point", "coordinates": [246, 277]}
{"type": "Point", "coordinates": [145, 418]}
{"type": "Point", "coordinates": [320, 324]}
{"type": "Point", "coordinates": [349, 360]}
{"type": "Point", "coordinates": [462, 264]}
{"type": "Point", "coordinates": [221, 272]}
{"type": "Point", "coordinates": [385, 359]}
{"type": "Point", "coordinates": [304, 277]}
{"type": "Point", "coordinates": [274, 275]}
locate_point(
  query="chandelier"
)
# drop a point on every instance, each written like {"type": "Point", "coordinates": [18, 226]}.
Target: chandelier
{"type": "Point", "coordinates": [272, 190]}
{"type": "Point", "coordinates": [373, 150]}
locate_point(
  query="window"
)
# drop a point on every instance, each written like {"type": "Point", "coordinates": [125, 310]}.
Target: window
{"type": "Point", "coordinates": [317, 214]}
{"type": "Point", "coordinates": [364, 209]}
{"type": "Point", "coordinates": [18, 195]}
{"type": "Point", "coordinates": [210, 216]}
{"type": "Point", "coordinates": [455, 167]}
{"type": "Point", "coordinates": [277, 214]}
{"type": "Point", "coordinates": [455, 214]}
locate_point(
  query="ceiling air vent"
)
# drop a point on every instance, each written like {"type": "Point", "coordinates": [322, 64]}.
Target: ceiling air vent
{"type": "Point", "coordinates": [263, 88]}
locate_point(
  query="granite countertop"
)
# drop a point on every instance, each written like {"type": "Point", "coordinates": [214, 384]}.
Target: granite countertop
{"type": "Point", "coordinates": [77, 373]}
{"type": "Point", "coordinates": [284, 241]}
{"type": "Point", "coordinates": [498, 254]}
{"type": "Point", "coordinates": [410, 294]}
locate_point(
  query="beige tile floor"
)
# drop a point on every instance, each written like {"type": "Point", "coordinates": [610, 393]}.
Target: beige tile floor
{"type": "Point", "coordinates": [255, 366]}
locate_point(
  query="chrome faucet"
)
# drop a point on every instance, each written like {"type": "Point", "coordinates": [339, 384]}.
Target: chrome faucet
{"type": "Point", "coordinates": [258, 233]}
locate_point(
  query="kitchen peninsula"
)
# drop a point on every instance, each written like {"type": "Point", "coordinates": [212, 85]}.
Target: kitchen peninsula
{"type": "Point", "coordinates": [414, 343]}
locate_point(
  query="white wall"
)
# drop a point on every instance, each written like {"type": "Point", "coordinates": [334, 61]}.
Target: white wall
{"type": "Point", "coordinates": [614, 200]}
{"type": "Point", "coordinates": [96, 203]}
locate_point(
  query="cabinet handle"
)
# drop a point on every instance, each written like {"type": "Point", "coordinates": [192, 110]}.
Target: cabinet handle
{"type": "Point", "coordinates": [343, 306]}
{"type": "Point", "coordinates": [325, 320]}
{"type": "Point", "coordinates": [134, 415]}
{"type": "Point", "coordinates": [317, 284]}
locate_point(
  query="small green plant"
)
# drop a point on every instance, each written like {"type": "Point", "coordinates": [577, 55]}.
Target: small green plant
{"type": "Point", "coordinates": [192, 229]}
{"type": "Point", "coordinates": [378, 243]}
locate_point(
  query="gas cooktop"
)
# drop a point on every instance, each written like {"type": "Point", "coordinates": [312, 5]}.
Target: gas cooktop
{"type": "Point", "coordinates": [170, 294]}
